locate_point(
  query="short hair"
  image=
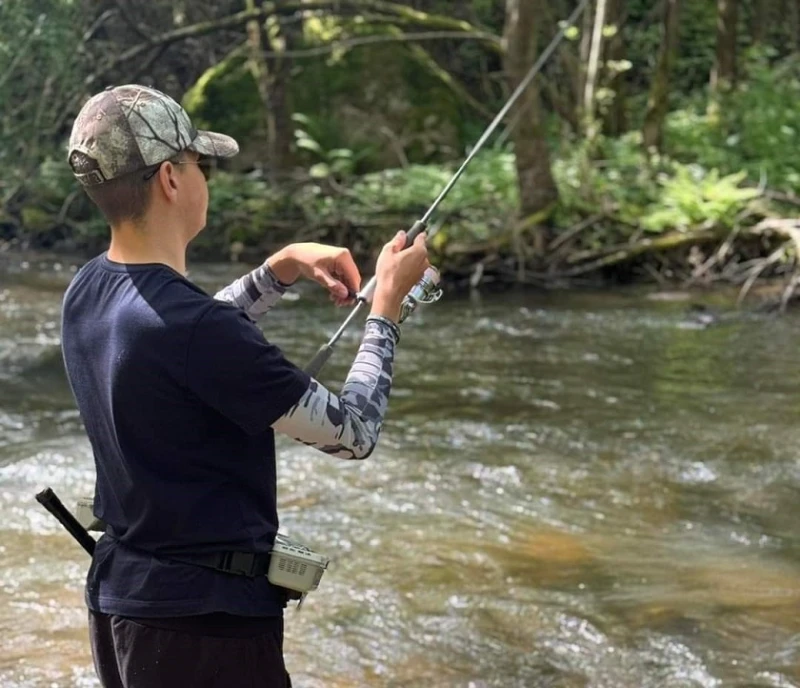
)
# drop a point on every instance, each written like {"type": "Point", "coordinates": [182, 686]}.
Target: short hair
{"type": "Point", "coordinates": [123, 199]}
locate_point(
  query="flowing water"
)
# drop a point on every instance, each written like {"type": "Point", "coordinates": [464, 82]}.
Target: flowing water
{"type": "Point", "coordinates": [572, 491]}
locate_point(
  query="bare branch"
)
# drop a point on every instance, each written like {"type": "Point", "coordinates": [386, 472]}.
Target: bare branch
{"type": "Point", "coordinates": [97, 23]}
{"type": "Point", "coordinates": [241, 18]}
{"type": "Point", "coordinates": [383, 38]}
{"type": "Point", "coordinates": [130, 21]}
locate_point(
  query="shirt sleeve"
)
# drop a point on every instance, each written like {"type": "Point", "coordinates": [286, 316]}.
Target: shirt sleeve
{"type": "Point", "coordinates": [348, 425]}
{"type": "Point", "coordinates": [232, 367]}
{"type": "Point", "coordinates": [255, 293]}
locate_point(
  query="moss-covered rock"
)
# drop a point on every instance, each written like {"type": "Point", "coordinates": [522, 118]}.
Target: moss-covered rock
{"type": "Point", "coordinates": [225, 98]}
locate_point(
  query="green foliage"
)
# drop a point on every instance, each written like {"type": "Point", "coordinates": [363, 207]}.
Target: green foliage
{"type": "Point", "coordinates": [39, 67]}
{"type": "Point", "coordinates": [694, 197]}
{"type": "Point", "coordinates": [377, 100]}
{"type": "Point", "coordinates": [489, 181]}
{"type": "Point", "coordinates": [657, 194]}
{"type": "Point", "coordinates": [697, 42]}
{"type": "Point", "coordinates": [52, 192]}
{"type": "Point", "coordinates": [381, 129]}
{"type": "Point", "coordinates": [755, 127]}
{"type": "Point", "coordinates": [485, 196]}
{"type": "Point", "coordinates": [325, 162]}
{"type": "Point", "coordinates": [53, 181]}
{"type": "Point", "coordinates": [241, 206]}
{"type": "Point", "coordinates": [613, 175]}
{"type": "Point", "coordinates": [479, 206]}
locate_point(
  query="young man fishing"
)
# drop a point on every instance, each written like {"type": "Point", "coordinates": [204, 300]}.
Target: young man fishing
{"type": "Point", "coordinates": [181, 394]}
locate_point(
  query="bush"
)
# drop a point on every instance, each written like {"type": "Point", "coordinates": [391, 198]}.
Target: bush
{"type": "Point", "coordinates": [693, 197]}
{"type": "Point", "coordinates": [484, 197]}
{"type": "Point", "coordinates": [753, 128]}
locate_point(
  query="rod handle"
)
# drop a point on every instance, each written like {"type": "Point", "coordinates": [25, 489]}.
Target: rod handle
{"type": "Point", "coordinates": [48, 499]}
{"type": "Point", "coordinates": [320, 359]}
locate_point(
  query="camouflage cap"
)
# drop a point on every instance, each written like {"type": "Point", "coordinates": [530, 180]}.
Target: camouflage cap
{"type": "Point", "coordinates": [128, 128]}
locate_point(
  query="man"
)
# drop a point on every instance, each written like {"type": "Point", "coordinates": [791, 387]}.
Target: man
{"type": "Point", "coordinates": [181, 393]}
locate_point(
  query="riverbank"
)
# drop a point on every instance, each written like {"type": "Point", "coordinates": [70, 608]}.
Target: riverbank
{"type": "Point", "coordinates": [704, 304]}
{"type": "Point", "coordinates": [757, 260]}
{"type": "Point", "coordinates": [622, 217]}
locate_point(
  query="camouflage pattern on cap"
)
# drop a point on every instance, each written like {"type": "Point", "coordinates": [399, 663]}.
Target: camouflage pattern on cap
{"type": "Point", "coordinates": [129, 128]}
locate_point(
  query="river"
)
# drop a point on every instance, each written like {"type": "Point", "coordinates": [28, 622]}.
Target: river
{"type": "Point", "coordinates": [573, 490]}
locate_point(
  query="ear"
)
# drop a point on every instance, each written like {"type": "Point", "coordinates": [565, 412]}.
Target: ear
{"type": "Point", "coordinates": [168, 180]}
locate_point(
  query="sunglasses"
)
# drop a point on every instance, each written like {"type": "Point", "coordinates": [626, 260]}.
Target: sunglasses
{"type": "Point", "coordinates": [206, 165]}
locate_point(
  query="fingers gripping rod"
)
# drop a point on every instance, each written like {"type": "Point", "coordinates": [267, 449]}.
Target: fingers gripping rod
{"type": "Point", "coordinates": [365, 295]}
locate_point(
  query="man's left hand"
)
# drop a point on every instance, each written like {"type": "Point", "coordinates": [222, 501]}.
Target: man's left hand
{"type": "Point", "coordinates": [331, 266]}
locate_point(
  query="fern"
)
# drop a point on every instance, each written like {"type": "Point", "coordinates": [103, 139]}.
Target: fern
{"type": "Point", "coordinates": [693, 197]}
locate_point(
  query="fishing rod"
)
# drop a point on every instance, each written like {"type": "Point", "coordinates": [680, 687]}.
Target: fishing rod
{"type": "Point", "coordinates": [427, 289]}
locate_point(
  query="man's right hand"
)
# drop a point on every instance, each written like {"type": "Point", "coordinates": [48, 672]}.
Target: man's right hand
{"type": "Point", "coordinates": [397, 271]}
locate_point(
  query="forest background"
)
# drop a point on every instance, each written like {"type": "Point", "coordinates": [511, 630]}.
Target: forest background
{"type": "Point", "coordinates": [659, 143]}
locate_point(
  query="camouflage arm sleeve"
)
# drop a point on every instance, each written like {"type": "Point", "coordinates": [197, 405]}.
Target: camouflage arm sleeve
{"type": "Point", "coordinates": [347, 426]}
{"type": "Point", "coordinates": [255, 293]}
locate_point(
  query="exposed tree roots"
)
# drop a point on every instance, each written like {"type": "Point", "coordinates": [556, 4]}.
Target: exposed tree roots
{"type": "Point", "coordinates": [696, 258]}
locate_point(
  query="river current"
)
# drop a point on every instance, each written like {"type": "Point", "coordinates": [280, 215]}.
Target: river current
{"type": "Point", "coordinates": [573, 490]}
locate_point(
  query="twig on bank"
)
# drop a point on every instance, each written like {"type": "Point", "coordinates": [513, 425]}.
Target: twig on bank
{"type": "Point", "coordinates": [757, 270]}
{"type": "Point", "coordinates": [789, 291]}
{"type": "Point", "coordinates": [572, 232]}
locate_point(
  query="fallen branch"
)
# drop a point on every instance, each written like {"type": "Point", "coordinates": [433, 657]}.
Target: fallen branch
{"type": "Point", "coordinates": [789, 229]}
{"type": "Point", "coordinates": [782, 197]}
{"type": "Point", "coordinates": [616, 254]}
{"type": "Point", "coordinates": [717, 257]}
{"type": "Point", "coordinates": [572, 232]}
{"type": "Point", "coordinates": [635, 240]}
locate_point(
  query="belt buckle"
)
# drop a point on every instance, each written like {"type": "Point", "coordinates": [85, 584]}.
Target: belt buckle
{"type": "Point", "coordinates": [242, 563]}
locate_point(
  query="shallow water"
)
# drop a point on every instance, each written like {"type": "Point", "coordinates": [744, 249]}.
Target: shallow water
{"type": "Point", "coordinates": [572, 491]}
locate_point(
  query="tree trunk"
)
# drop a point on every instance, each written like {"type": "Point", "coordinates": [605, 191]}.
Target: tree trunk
{"type": "Point", "coordinates": [593, 66]}
{"type": "Point", "coordinates": [794, 24]}
{"type": "Point", "coordinates": [723, 75]}
{"type": "Point", "coordinates": [658, 101]}
{"type": "Point", "coordinates": [281, 40]}
{"type": "Point", "coordinates": [758, 23]}
{"type": "Point", "coordinates": [584, 49]}
{"type": "Point", "coordinates": [271, 77]}
{"type": "Point", "coordinates": [616, 117]}
{"type": "Point", "coordinates": [537, 188]}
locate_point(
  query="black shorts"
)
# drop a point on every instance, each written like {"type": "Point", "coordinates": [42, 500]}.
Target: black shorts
{"type": "Point", "coordinates": [208, 651]}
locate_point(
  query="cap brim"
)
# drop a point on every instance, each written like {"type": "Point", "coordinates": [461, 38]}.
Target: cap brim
{"type": "Point", "coordinates": [214, 145]}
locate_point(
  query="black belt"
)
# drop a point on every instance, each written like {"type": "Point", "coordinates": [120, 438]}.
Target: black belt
{"type": "Point", "coordinates": [249, 564]}
{"type": "Point", "coordinates": [239, 563]}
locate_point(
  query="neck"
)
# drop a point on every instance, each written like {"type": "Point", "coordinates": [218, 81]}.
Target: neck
{"type": "Point", "coordinates": [140, 243]}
